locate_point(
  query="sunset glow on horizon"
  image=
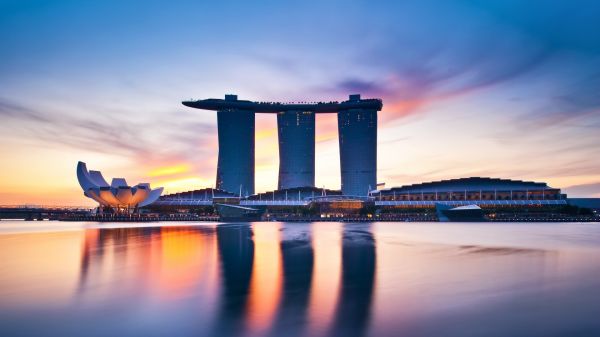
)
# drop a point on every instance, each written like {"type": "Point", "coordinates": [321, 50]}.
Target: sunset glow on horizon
{"type": "Point", "coordinates": [469, 88]}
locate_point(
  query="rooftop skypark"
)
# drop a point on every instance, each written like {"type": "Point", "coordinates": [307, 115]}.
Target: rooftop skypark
{"type": "Point", "coordinates": [232, 102]}
{"type": "Point", "coordinates": [357, 129]}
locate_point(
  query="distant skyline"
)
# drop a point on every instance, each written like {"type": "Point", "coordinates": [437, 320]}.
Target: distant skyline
{"type": "Point", "coordinates": [499, 88]}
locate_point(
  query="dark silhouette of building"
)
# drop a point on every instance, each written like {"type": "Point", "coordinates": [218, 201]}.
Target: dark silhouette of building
{"type": "Point", "coordinates": [296, 131]}
{"type": "Point", "coordinates": [357, 130]}
{"type": "Point", "coordinates": [472, 189]}
{"type": "Point", "coordinates": [235, 168]}
{"type": "Point", "coordinates": [357, 119]}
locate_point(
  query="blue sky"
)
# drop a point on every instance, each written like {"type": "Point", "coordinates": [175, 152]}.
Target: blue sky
{"type": "Point", "coordinates": [470, 88]}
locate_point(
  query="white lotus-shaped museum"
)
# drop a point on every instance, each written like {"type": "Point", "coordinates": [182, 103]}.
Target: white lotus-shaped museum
{"type": "Point", "coordinates": [118, 194]}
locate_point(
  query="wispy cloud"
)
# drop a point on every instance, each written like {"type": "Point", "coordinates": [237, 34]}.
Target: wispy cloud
{"type": "Point", "coordinates": [527, 71]}
{"type": "Point", "coordinates": [173, 137]}
{"type": "Point", "coordinates": [466, 52]}
{"type": "Point", "coordinates": [584, 190]}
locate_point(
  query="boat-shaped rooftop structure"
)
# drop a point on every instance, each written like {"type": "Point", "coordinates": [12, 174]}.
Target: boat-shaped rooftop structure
{"type": "Point", "coordinates": [232, 103]}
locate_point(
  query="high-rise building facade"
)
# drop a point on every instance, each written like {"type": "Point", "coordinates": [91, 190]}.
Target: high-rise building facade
{"type": "Point", "coordinates": [235, 168]}
{"type": "Point", "coordinates": [296, 133]}
{"type": "Point", "coordinates": [357, 126]}
{"type": "Point", "coordinates": [357, 130]}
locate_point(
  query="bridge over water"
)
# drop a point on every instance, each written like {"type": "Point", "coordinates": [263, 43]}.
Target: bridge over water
{"type": "Point", "coordinates": [39, 212]}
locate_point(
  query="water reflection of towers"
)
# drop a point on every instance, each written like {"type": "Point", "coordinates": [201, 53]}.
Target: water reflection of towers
{"type": "Point", "coordinates": [296, 292]}
{"type": "Point", "coordinates": [269, 279]}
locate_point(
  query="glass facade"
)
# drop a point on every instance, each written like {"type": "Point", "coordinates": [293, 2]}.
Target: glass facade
{"type": "Point", "coordinates": [358, 150]}
{"type": "Point", "coordinates": [235, 169]}
{"type": "Point", "coordinates": [296, 132]}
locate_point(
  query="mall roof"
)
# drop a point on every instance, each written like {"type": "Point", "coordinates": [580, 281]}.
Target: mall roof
{"type": "Point", "coordinates": [469, 184]}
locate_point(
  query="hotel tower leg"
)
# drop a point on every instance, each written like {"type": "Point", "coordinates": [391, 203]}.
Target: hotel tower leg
{"type": "Point", "coordinates": [358, 150]}
{"type": "Point", "coordinates": [296, 131]}
{"type": "Point", "coordinates": [235, 170]}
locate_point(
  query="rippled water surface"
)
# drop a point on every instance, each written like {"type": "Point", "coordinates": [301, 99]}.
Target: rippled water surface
{"type": "Point", "coordinates": [292, 279]}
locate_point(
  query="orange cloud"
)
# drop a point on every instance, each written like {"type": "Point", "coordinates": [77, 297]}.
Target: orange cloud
{"type": "Point", "coordinates": [401, 108]}
{"type": "Point", "coordinates": [169, 170]}
{"type": "Point", "coordinates": [184, 184]}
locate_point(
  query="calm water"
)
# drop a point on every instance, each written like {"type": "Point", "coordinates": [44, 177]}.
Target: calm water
{"type": "Point", "coordinates": [289, 279]}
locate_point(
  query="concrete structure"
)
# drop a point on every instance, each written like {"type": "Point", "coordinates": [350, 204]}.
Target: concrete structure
{"type": "Point", "coordinates": [228, 212]}
{"type": "Point", "coordinates": [482, 191]}
{"type": "Point", "coordinates": [235, 168]}
{"type": "Point", "coordinates": [357, 129]}
{"type": "Point", "coordinates": [357, 120]}
{"type": "Point", "coordinates": [40, 212]}
{"type": "Point", "coordinates": [296, 132]}
{"type": "Point", "coordinates": [465, 199]}
{"type": "Point", "coordinates": [118, 195]}
{"type": "Point", "coordinates": [473, 189]}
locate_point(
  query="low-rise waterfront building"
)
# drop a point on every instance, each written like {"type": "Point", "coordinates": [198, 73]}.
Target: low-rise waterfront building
{"type": "Point", "coordinates": [499, 199]}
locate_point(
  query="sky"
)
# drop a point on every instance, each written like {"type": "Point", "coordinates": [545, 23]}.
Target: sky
{"type": "Point", "coordinates": [498, 88]}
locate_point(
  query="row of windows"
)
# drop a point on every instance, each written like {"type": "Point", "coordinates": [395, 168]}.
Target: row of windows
{"type": "Point", "coordinates": [474, 196]}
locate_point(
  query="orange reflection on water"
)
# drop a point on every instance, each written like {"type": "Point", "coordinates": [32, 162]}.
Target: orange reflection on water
{"type": "Point", "coordinates": [39, 268]}
{"type": "Point", "coordinates": [169, 262]}
{"type": "Point", "coordinates": [181, 260]}
{"type": "Point", "coordinates": [111, 262]}
{"type": "Point", "coordinates": [266, 281]}
{"type": "Point", "coordinates": [327, 245]}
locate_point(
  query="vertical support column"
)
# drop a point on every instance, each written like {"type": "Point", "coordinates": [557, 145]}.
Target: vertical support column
{"type": "Point", "coordinates": [235, 170]}
{"type": "Point", "coordinates": [296, 133]}
{"type": "Point", "coordinates": [357, 130]}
